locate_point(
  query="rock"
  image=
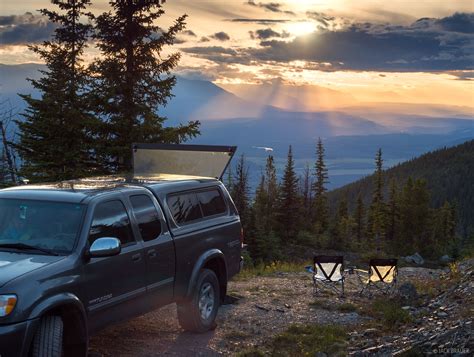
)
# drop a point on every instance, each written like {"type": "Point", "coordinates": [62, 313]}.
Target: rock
{"type": "Point", "coordinates": [442, 314]}
{"type": "Point", "coordinates": [407, 293]}
{"type": "Point", "coordinates": [445, 259]}
{"type": "Point", "coordinates": [415, 259]}
{"type": "Point", "coordinates": [406, 308]}
{"type": "Point", "coordinates": [320, 354]}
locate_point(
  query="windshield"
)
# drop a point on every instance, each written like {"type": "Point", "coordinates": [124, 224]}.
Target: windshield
{"type": "Point", "coordinates": [49, 225]}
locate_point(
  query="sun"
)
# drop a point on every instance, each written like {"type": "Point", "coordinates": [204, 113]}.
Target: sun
{"type": "Point", "coordinates": [301, 28]}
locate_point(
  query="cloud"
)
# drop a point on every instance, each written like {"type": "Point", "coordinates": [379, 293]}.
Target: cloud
{"type": "Point", "coordinates": [425, 45]}
{"type": "Point", "coordinates": [189, 33]}
{"type": "Point", "coordinates": [260, 21]}
{"type": "Point", "coordinates": [209, 50]}
{"type": "Point", "coordinates": [270, 6]}
{"type": "Point", "coordinates": [459, 22]}
{"type": "Point", "coordinates": [221, 36]}
{"type": "Point", "coordinates": [267, 33]}
{"type": "Point", "coordinates": [25, 29]}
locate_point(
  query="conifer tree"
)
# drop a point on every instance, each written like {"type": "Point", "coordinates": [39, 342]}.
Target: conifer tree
{"type": "Point", "coordinates": [359, 220]}
{"type": "Point", "coordinates": [289, 210]}
{"type": "Point", "coordinates": [55, 139]}
{"type": "Point", "coordinates": [133, 78]}
{"type": "Point", "coordinates": [342, 227]}
{"type": "Point", "coordinates": [393, 215]}
{"type": "Point", "coordinates": [240, 191]}
{"type": "Point", "coordinates": [263, 244]}
{"type": "Point", "coordinates": [307, 198]}
{"type": "Point", "coordinates": [272, 192]}
{"type": "Point", "coordinates": [376, 215]}
{"type": "Point", "coordinates": [444, 231]}
{"type": "Point", "coordinates": [321, 211]}
{"type": "Point", "coordinates": [415, 218]}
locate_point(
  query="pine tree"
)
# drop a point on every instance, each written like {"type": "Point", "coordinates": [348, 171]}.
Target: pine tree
{"type": "Point", "coordinates": [307, 198]}
{"type": "Point", "coordinates": [289, 207]}
{"type": "Point", "coordinates": [55, 139]}
{"type": "Point", "coordinates": [272, 192]}
{"type": "Point", "coordinates": [133, 80]}
{"type": "Point", "coordinates": [376, 215]}
{"type": "Point", "coordinates": [264, 245]}
{"type": "Point", "coordinates": [444, 230]}
{"type": "Point", "coordinates": [321, 211]}
{"type": "Point", "coordinates": [342, 227]}
{"type": "Point", "coordinates": [359, 220]}
{"type": "Point", "coordinates": [240, 191]}
{"type": "Point", "coordinates": [415, 218]}
{"type": "Point", "coordinates": [393, 215]}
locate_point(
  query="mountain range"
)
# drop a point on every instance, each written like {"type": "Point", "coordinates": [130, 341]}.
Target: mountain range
{"type": "Point", "coordinates": [448, 172]}
{"type": "Point", "coordinates": [352, 132]}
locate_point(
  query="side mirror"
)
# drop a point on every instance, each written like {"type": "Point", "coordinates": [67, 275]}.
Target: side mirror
{"type": "Point", "coordinates": [105, 247]}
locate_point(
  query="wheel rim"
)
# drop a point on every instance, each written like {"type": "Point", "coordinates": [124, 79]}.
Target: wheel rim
{"type": "Point", "coordinates": [206, 301]}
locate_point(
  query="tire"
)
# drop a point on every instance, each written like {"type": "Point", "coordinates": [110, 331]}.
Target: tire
{"type": "Point", "coordinates": [48, 340]}
{"type": "Point", "coordinates": [193, 318]}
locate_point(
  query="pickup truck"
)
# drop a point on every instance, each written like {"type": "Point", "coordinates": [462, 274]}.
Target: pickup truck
{"type": "Point", "coordinates": [77, 256]}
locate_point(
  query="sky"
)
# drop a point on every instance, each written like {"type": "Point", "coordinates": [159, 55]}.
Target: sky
{"type": "Point", "coordinates": [365, 51]}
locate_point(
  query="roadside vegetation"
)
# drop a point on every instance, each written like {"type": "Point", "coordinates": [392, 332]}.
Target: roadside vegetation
{"type": "Point", "coordinates": [305, 340]}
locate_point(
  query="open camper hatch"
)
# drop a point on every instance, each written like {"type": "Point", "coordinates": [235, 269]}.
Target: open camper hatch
{"type": "Point", "coordinates": [155, 160]}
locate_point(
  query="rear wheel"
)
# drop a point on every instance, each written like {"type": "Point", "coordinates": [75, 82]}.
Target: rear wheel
{"type": "Point", "coordinates": [48, 340]}
{"type": "Point", "coordinates": [199, 313]}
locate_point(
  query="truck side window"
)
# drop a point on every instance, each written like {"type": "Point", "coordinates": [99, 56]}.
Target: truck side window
{"type": "Point", "coordinates": [147, 216]}
{"type": "Point", "coordinates": [184, 207]}
{"type": "Point", "coordinates": [111, 220]}
{"type": "Point", "coordinates": [212, 202]}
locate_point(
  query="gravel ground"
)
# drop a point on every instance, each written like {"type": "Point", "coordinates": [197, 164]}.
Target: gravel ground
{"type": "Point", "coordinates": [259, 308]}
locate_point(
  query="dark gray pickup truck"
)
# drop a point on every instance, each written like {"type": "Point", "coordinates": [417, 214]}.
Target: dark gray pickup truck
{"type": "Point", "coordinates": [80, 255]}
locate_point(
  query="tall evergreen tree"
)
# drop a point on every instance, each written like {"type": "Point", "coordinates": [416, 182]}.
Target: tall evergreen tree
{"type": "Point", "coordinates": [359, 220]}
{"type": "Point", "coordinates": [240, 191]}
{"type": "Point", "coordinates": [271, 189]}
{"type": "Point", "coordinates": [133, 78]}
{"type": "Point", "coordinates": [321, 211]}
{"type": "Point", "coordinates": [289, 208]}
{"type": "Point", "coordinates": [55, 139]}
{"type": "Point", "coordinates": [444, 230]}
{"type": "Point", "coordinates": [342, 227]}
{"type": "Point", "coordinates": [393, 215]}
{"type": "Point", "coordinates": [307, 198]}
{"type": "Point", "coordinates": [376, 215]}
{"type": "Point", "coordinates": [415, 218]}
{"type": "Point", "coordinates": [263, 245]}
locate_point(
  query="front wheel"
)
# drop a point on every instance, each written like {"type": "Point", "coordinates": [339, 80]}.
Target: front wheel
{"type": "Point", "coordinates": [199, 313]}
{"type": "Point", "coordinates": [48, 340]}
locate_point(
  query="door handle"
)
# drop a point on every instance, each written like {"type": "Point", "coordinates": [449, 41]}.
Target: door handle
{"type": "Point", "coordinates": [151, 253]}
{"type": "Point", "coordinates": [136, 257]}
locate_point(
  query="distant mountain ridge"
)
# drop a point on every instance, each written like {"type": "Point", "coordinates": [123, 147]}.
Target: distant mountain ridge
{"type": "Point", "coordinates": [449, 173]}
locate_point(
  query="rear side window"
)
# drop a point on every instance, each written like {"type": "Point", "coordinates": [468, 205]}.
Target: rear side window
{"type": "Point", "coordinates": [184, 207]}
{"type": "Point", "coordinates": [111, 220]}
{"type": "Point", "coordinates": [212, 202]}
{"type": "Point", "coordinates": [147, 216]}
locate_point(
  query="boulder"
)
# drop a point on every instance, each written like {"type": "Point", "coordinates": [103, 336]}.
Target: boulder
{"type": "Point", "coordinates": [446, 259]}
{"type": "Point", "coordinates": [415, 259]}
{"type": "Point", "coordinates": [407, 294]}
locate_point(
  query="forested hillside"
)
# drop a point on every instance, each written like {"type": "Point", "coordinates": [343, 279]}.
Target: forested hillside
{"type": "Point", "coordinates": [449, 175]}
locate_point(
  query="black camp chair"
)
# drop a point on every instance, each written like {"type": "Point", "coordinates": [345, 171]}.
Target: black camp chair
{"type": "Point", "coordinates": [381, 276]}
{"type": "Point", "coordinates": [328, 272]}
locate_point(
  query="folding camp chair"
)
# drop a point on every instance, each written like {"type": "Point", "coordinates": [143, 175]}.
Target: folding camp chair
{"type": "Point", "coordinates": [328, 272]}
{"type": "Point", "coordinates": [382, 276]}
